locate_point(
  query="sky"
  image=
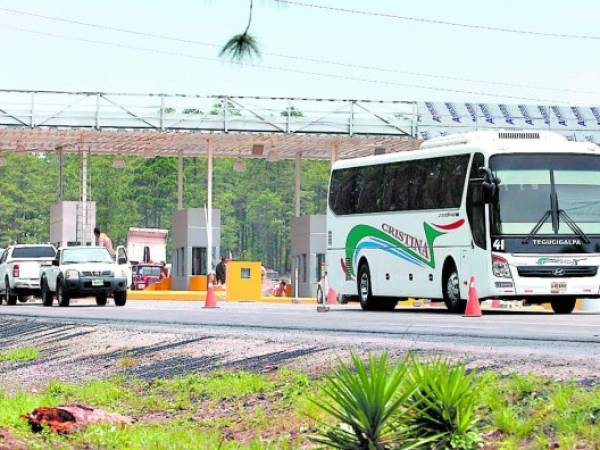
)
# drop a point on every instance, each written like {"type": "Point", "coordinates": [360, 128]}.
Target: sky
{"type": "Point", "coordinates": [42, 62]}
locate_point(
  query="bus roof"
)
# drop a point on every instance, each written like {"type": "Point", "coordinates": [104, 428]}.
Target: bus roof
{"type": "Point", "coordinates": [487, 142]}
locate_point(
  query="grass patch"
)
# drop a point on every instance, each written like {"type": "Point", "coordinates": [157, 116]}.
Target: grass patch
{"type": "Point", "coordinates": [245, 410]}
{"type": "Point", "coordinates": [127, 362]}
{"type": "Point", "coordinates": [27, 353]}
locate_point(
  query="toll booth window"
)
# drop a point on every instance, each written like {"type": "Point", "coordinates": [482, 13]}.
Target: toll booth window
{"type": "Point", "coordinates": [245, 273]}
{"type": "Point", "coordinates": [198, 260]}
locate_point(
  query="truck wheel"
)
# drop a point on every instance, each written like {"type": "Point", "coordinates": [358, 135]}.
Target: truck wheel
{"type": "Point", "coordinates": [11, 297]}
{"type": "Point", "coordinates": [23, 298]}
{"type": "Point", "coordinates": [120, 298]}
{"type": "Point", "coordinates": [101, 299]}
{"type": "Point", "coordinates": [451, 290]}
{"type": "Point", "coordinates": [63, 298]}
{"type": "Point", "coordinates": [563, 305]}
{"type": "Point", "coordinates": [47, 296]}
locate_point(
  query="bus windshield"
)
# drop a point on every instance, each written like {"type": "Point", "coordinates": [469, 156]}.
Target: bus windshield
{"type": "Point", "coordinates": [524, 193]}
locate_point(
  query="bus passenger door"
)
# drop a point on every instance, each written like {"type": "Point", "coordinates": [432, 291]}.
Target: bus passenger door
{"type": "Point", "coordinates": [474, 259]}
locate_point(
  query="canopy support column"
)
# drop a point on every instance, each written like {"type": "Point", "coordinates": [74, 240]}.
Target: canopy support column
{"type": "Point", "coordinates": [180, 181]}
{"type": "Point", "coordinates": [209, 194]}
{"type": "Point", "coordinates": [335, 146]}
{"type": "Point", "coordinates": [61, 175]}
{"type": "Point", "coordinates": [298, 179]}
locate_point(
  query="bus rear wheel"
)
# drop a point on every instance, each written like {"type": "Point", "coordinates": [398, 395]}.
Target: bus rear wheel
{"type": "Point", "coordinates": [563, 305]}
{"type": "Point", "coordinates": [451, 289]}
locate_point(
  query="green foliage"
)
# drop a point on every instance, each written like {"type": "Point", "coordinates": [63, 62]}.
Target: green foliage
{"type": "Point", "coordinates": [409, 405]}
{"type": "Point", "coordinates": [442, 404]}
{"type": "Point", "coordinates": [241, 47]}
{"type": "Point", "coordinates": [191, 111]}
{"type": "Point", "coordinates": [292, 112]}
{"type": "Point", "coordinates": [256, 206]}
{"type": "Point", "coordinates": [526, 407]}
{"type": "Point", "coordinates": [20, 354]}
{"type": "Point", "coordinates": [363, 401]}
{"type": "Point", "coordinates": [217, 385]}
{"type": "Point", "coordinates": [246, 410]}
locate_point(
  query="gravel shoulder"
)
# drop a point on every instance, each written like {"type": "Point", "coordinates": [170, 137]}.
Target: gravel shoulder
{"type": "Point", "coordinates": [75, 351]}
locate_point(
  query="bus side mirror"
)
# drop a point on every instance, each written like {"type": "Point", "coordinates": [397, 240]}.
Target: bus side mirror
{"type": "Point", "coordinates": [55, 262]}
{"type": "Point", "coordinates": [476, 193]}
{"type": "Point", "coordinates": [489, 184]}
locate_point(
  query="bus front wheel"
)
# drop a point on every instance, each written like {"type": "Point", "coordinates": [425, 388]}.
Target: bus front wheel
{"type": "Point", "coordinates": [365, 294]}
{"type": "Point", "coordinates": [563, 305]}
{"type": "Point", "coordinates": [452, 291]}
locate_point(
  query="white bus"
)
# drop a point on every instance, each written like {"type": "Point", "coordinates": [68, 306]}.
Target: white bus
{"type": "Point", "coordinates": [518, 210]}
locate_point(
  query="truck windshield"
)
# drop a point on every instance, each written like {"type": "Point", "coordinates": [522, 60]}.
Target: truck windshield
{"type": "Point", "coordinates": [525, 188]}
{"type": "Point", "coordinates": [33, 252]}
{"type": "Point", "coordinates": [151, 271]}
{"type": "Point", "coordinates": [85, 255]}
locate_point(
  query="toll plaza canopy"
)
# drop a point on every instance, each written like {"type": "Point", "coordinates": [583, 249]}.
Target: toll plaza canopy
{"type": "Point", "coordinates": [181, 125]}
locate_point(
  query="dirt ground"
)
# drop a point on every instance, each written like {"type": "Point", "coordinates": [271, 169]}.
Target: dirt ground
{"type": "Point", "coordinates": [75, 352]}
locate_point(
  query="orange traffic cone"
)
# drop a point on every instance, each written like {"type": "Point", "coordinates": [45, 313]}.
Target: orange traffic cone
{"type": "Point", "coordinates": [473, 306]}
{"type": "Point", "coordinates": [331, 297]}
{"type": "Point", "coordinates": [330, 294]}
{"type": "Point", "coordinates": [211, 298]}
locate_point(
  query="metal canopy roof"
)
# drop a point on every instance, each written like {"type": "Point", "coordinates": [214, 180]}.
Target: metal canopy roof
{"type": "Point", "coordinates": [173, 125]}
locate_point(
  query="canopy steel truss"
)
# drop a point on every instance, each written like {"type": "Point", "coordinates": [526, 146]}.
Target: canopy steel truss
{"type": "Point", "coordinates": [180, 125]}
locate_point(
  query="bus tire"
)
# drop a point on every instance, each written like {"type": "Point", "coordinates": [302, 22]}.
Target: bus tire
{"type": "Point", "coordinates": [451, 289]}
{"type": "Point", "coordinates": [368, 302]}
{"type": "Point", "coordinates": [563, 305]}
{"type": "Point", "coordinates": [365, 294]}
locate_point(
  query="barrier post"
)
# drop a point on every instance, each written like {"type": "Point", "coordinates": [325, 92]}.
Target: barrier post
{"type": "Point", "coordinates": [296, 278]}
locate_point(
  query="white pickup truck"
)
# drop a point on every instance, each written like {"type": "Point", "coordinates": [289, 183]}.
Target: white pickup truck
{"type": "Point", "coordinates": [78, 272]}
{"type": "Point", "coordinates": [20, 268]}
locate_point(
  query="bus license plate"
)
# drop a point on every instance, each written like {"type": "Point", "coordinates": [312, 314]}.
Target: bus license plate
{"type": "Point", "coordinates": [558, 287]}
{"type": "Point", "coordinates": [97, 283]}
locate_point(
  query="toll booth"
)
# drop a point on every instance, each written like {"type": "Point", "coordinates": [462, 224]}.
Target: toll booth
{"type": "Point", "coordinates": [189, 247]}
{"type": "Point", "coordinates": [309, 245]}
{"type": "Point", "coordinates": [243, 280]}
{"type": "Point", "coordinates": [72, 223]}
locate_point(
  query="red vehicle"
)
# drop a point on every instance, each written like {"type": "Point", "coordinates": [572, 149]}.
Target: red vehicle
{"type": "Point", "coordinates": [144, 274]}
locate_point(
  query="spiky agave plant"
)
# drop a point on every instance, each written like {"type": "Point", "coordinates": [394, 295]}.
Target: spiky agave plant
{"type": "Point", "coordinates": [242, 46]}
{"type": "Point", "coordinates": [441, 409]}
{"type": "Point", "coordinates": [361, 400]}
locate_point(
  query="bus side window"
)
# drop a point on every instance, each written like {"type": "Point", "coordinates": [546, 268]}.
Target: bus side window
{"type": "Point", "coordinates": [395, 191]}
{"type": "Point", "coordinates": [369, 189]}
{"type": "Point", "coordinates": [475, 205]}
{"type": "Point", "coordinates": [342, 197]}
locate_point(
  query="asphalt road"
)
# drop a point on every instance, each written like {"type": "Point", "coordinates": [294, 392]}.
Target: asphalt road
{"type": "Point", "coordinates": [537, 326]}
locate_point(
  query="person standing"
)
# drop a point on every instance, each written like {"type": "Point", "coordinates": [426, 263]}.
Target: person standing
{"type": "Point", "coordinates": [221, 271]}
{"type": "Point", "coordinates": [103, 240]}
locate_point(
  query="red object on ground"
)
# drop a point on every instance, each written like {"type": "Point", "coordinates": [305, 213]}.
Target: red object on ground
{"type": "Point", "coordinates": [211, 298]}
{"type": "Point", "coordinates": [68, 418]}
{"type": "Point", "coordinates": [473, 306]}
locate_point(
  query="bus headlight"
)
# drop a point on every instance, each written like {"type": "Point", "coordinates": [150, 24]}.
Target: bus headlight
{"type": "Point", "coordinates": [500, 267]}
